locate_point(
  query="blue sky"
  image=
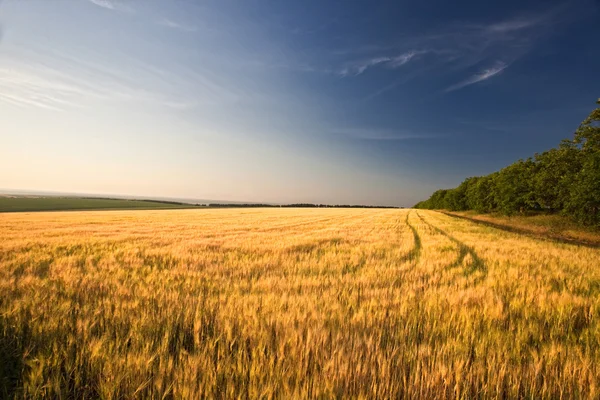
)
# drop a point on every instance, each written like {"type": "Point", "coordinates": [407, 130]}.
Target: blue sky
{"type": "Point", "coordinates": [286, 101]}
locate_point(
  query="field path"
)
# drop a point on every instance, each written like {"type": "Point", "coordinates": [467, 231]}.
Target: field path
{"type": "Point", "coordinates": [476, 263]}
{"type": "Point", "coordinates": [415, 252]}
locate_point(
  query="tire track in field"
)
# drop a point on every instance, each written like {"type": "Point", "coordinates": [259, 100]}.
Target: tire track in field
{"type": "Point", "coordinates": [415, 252]}
{"type": "Point", "coordinates": [477, 263]}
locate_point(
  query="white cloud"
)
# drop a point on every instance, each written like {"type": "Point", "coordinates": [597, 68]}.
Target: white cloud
{"type": "Point", "coordinates": [512, 25]}
{"type": "Point", "coordinates": [111, 5]}
{"type": "Point", "coordinates": [180, 105]}
{"type": "Point", "coordinates": [481, 76]}
{"type": "Point", "coordinates": [60, 81]}
{"type": "Point", "coordinates": [402, 59]}
{"type": "Point", "coordinates": [381, 134]}
{"type": "Point", "coordinates": [357, 68]}
{"type": "Point", "coordinates": [103, 4]}
{"type": "Point", "coordinates": [524, 22]}
{"type": "Point", "coordinates": [23, 87]}
{"type": "Point", "coordinates": [176, 25]}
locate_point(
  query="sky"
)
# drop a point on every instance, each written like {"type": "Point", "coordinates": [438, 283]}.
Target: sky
{"type": "Point", "coordinates": [349, 101]}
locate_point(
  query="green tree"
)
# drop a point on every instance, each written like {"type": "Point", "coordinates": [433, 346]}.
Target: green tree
{"type": "Point", "coordinates": [480, 195]}
{"type": "Point", "coordinates": [457, 199]}
{"type": "Point", "coordinates": [588, 133]}
{"type": "Point", "coordinates": [565, 179]}
{"type": "Point", "coordinates": [555, 175]}
{"type": "Point", "coordinates": [514, 188]}
{"type": "Point", "coordinates": [584, 202]}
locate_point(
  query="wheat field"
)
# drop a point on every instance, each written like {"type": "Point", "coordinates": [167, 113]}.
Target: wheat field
{"type": "Point", "coordinates": [292, 303]}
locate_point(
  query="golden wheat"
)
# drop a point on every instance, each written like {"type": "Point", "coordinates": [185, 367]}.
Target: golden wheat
{"type": "Point", "coordinates": [292, 303]}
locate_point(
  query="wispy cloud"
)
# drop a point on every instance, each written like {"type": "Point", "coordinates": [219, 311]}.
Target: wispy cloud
{"type": "Point", "coordinates": [459, 46]}
{"type": "Point", "coordinates": [381, 134]}
{"type": "Point", "coordinates": [548, 18]}
{"type": "Point", "coordinates": [24, 88]}
{"type": "Point", "coordinates": [452, 50]}
{"type": "Point", "coordinates": [176, 25]}
{"type": "Point", "coordinates": [403, 59]}
{"type": "Point", "coordinates": [180, 105]}
{"type": "Point", "coordinates": [357, 68]}
{"type": "Point", "coordinates": [56, 81]}
{"type": "Point", "coordinates": [104, 4]}
{"type": "Point", "coordinates": [512, 25]}
{"type": "Point", "coordinates": [481, 76]}
{"type": "Point", "coordinates": [486, 125]}
{"type": "Point", "coordinates": [112, 5]}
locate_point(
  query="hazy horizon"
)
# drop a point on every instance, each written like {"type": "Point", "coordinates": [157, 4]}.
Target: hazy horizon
{"type": "Point", "coordinates": [50, 193]}
{"type": "Point", "coordinates": [318, 102]}
{"type": "Point", "coordinates": [191, 200]}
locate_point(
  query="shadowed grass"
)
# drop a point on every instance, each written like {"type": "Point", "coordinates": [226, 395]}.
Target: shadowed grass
{"type": "Point", "coordinates": [11, 359]}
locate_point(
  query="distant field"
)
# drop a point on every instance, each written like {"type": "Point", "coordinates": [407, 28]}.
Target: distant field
{"type": "Point", "coordinates": [292, 303]}
{"type": "Point", "coordinates": [14, 204]}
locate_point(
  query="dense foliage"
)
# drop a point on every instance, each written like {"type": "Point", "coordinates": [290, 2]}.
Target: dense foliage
{"type": "Point", "coordinates": [565, 179]}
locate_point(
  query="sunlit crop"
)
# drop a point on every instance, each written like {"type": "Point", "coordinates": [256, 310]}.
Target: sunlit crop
{"type": "Point", "coordinates": [292, 303]}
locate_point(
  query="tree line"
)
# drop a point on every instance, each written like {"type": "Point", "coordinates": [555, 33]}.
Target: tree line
{"type": "Point", "coordinates": [565, 180]}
